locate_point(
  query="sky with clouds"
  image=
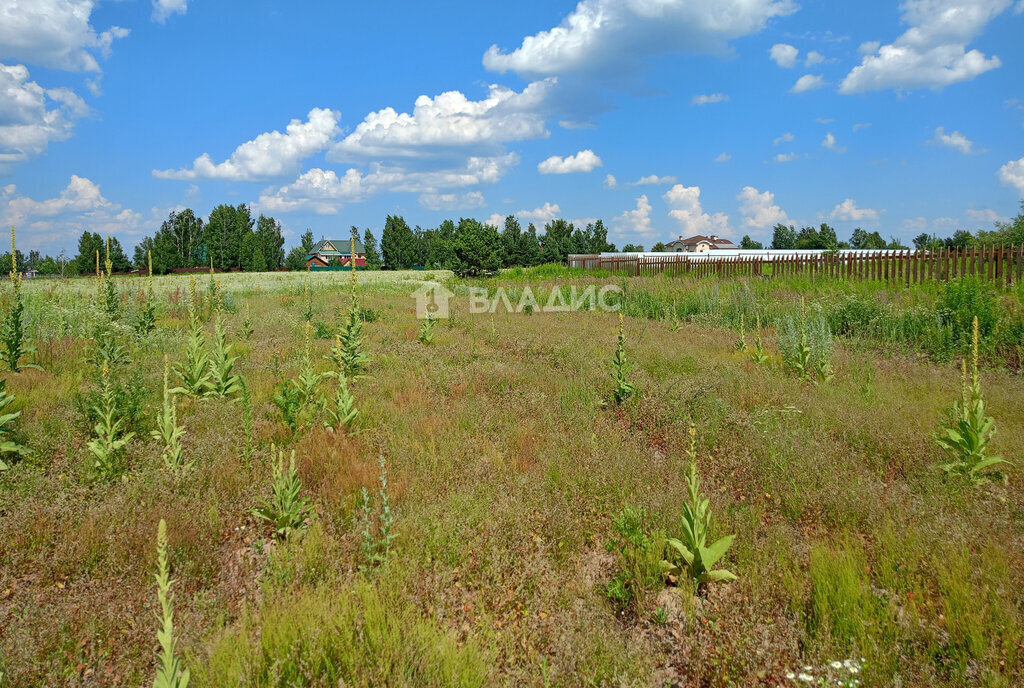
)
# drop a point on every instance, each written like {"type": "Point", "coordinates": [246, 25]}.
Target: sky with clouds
{"type": "Point", "coordinates": [662, 117]}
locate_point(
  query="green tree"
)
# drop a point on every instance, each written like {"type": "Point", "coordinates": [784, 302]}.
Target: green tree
{"type": "Point", "coordinates": [88, 244]}
{"type": "Point", "coordinates": [556, 242]}
{"type": "Point", "coordinates": [478, 249]}
{"type": "Point", "coordinates": [398, 244]}
{"type": "Point", "coordinates": [747, 243]}
{"type": "Point", "coordinates": [370, 247]}
{"type": "Point", "coordinates": [783, 236]}
{"type": "Point", "coordinates": [440, 247]}
{"type": "Point", "coordinates": [296, 259]}
{"type": "Point", "coordinates": [308, 243]}
{"type": "Point", "coordinates": [809, 238]}
{"type": "Point", "coordinates": [510, 236]}
{"type": "Point", "coordinates": [632, 248]}
{"type": "Point", "coordinates": [225, 232]}
{"type": "Point", "coordinates": [528, 248]}
{"type": "Point", "coordinates": [270, 241]}
{"type": "Point", "coordinates": [599, 239]}
{"type": "Point", "coordinates": [659, 248]}
{"type": "Point", "coordinates": [861, 240]}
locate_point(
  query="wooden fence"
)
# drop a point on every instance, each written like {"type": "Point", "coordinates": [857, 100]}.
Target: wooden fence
{"type": "Point", "coordinates": [1002, 265]}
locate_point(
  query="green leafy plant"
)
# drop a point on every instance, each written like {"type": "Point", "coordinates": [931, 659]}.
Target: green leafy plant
{"type": "Point", "coordinates": [247, 328]}
{"type": "Point", "coordinates": [426, 332]}
{"type": "Point", "coordinates": [966, 437]}
{"type": "Point", "coordinates": [807, 347]}
{"type": "Point", "coordinates": [674, 324]}
{"type": "Point", "coordinates": [642, 556]}
{"type": "Point", "coordinates": [111, 297]}
{"type": "Point", "coordinates": [697, 557]}
{"type": "Point", "coordinates": [145, 318]}
{"type": "Point", "coordinates": [286, 511]}
{"type": "Point", "coordinates": [168, 431]}
{"type": "Point", "coordinates": [169, 672]}
{"type": "Point", "coordinates": [222, 380]}
{"type": "Point", "coordinates": [289, 400]}
{"type": "Point", "coordinates": [344, 411]}
{"type": "Point", "coordinates": [377, 546]}
{"type": "Point", "coordinates": [8, 446]}
{"type": "Point", "coordinates": [758, 355]}
{"type": "Point", "coordinates": [624, 389]}
{"type": "Point", "coordinates": [741, 343]}
{"type": "Point", "coordinates": [12, 329]}
{"type": "Point", "coordinates": [109, 441]}
{"type": "Point", "coordinates": [347, 354]}
{"type": "Point", "coordinates": [194, 371]}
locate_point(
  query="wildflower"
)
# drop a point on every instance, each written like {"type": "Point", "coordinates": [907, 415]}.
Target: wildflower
{"type": "Point", "coordinates": [837, 664]}
{"type": "Point", "coordinates": [790, 675]}
{"type": "Point", "coordinates": [806, 678]}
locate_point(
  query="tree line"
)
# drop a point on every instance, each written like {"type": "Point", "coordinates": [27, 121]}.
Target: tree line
{"type": "Point", "coordinates": [232, 239]}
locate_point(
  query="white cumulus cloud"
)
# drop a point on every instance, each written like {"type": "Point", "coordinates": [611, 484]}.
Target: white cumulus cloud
{"type": "Point", "coordinates": [783, 55]}
{"type": "Point", "coordinates": [785, 138]}
{"type": "Point", "coordinates": [686, 208]}
{"type": "Point", "coordinates": [785, 157]}
{"type": "Point", "coordinates": [268, 155]}
{"type": "Point", "coordinates": [653, 179]}
{"type": "Point", "coordinates": [708, 98]}
{"type": "Point", "coordinates": [813, 58]}
{"type": "Point", "coordinates": [584, 161]}
{"type": "Point", "coordinates": [54, 33]}
{"type": "Point", "coordinates": [610, 182]}
{"type": "Point", "coordinates": [31, 116]}
{"type": "Point", "coordinates": [449, 122]}
{"type": "Point", "coordinates": [954, 140]}
{"type": "Point", "coordinates": [452, 201]}
{"type": "Point", "coordinates": [602, 36]}
{"type": "Point", "coordinates": [759, 209]}
{"type": "Point", "coordinates": [848, 210]}
{"type": "Point", "coordinates": [162, 9]}
{"type": "Point", "coordinates": [932, 53]}
{"type": "Point", "coordinates": [635, 222]}
{"type": "Point", "coordinates": [808, 82]}
{"type": "Point", "coordinates": [723, 157]}
{"type": "Point", "coordinates": [1012, 174]}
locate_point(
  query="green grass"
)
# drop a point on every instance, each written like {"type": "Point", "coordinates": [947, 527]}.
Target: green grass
{"type": "Point", "coordinates": [507, 464]}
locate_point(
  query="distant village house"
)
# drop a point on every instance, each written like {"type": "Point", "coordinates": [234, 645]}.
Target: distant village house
{"type": "Point", "coordinates": [331, 253]}
{"type": "Point", "coordinates": [699, 244]}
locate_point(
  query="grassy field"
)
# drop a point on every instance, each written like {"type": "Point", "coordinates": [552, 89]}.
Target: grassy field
{"type": "Point", "coordinates": [511, 476]}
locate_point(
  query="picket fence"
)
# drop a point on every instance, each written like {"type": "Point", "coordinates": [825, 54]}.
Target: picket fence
{"type": "Point", "coordinates": [1002, 265]}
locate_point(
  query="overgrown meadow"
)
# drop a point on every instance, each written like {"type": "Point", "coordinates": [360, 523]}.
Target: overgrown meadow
{"type": "Point", "coordinates": [287, 479]}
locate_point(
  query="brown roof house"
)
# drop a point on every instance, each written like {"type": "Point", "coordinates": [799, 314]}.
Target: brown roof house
{"type": "Point", "coordinates": [699, 244]}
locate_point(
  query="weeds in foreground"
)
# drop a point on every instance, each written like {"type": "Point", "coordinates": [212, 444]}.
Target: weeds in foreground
{"type": "Point", "coordinates": [286, 510]}
{"type": "Point", "coordinates": [741, 343]}
{"type": "Point", "coordinates": [377, 546]}
{"type": "Point", "coordinates": [426, 332]}
{"type": "Point", "coordinates": [247, 328]}
{"type": "Point", "coordinates": [699, 557]}
{"type": "Point", "coordinates": [194, 371]}
{"type": "Point", "coordinates": [12, 330]}
{"type": "Point", "coordinates": [347, 354]}
{"type": "Point", "coordinates": [289, 400]}
{"type": "Point", "coordinates": [247, 444]}
{"type": "Point", "coordinates": [344, 412]}
{"type": "Point", "coordinates": [807, 348]}
{"type": "Point", "coordinates": [965, 440]}
{"type": "Point", "coordinates": [642, 554]}
{"type": "Point", "coordinates": [169, 672]}
{"type": "Point", "coordinates": [223, 382]}
{"type": "Point", "coordinates": [168, 431]}
{"type": "Point", "coordinates": [145, 319]}
{"type": "Point", "coordinates": [108, 444]}
{"type": "Point", "coordinates": [624, 389]}
{"type": "Point", "coordinates": [8, 446]}
{"type": "Point", "coordinates": [759, 356]}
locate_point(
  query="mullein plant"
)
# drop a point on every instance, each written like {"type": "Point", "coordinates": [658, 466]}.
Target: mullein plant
{"type": "Point", "coordinates": [377, 547]}
{"type": "Point", "coordinates": [223, 381]}
{"type": "Point", "coordinates": [168, 431]}
{"type": "Point", "coordinates": [758, 354]}
{"type": "Point", "coordinates": [286, 511]}
{"type": "Point", "coordinates": [111, 299]}
{"type": "Point", "coordinates": [966, 437]}
{"type": "Point", "coordinates": [624, 389]}
{"type": "Point", "coordinates": [145, 321]}
{"type": "Point", "coordinates": [8, 446]}
{"type": "Point", "coordinates": [109, 441]}
{"type": "Point", "coordinates": [194, 371]}
{"type": "Point", "coordinates": [169, 672]}
{"type": "Point", "coordinates": [697, 557]}
{"type": "Point", "coordinates": [426, 333]}
{"type": "Point", "coordinates": [247, 328]}
{"type": "Point", "coordinates": [741, 343]}
{"type": "Point", "coordinates": [348, 355]}
{"type": "Point", "coordinates": [12, 330]}
{"type": "Point", "coordinates": [344, 412]}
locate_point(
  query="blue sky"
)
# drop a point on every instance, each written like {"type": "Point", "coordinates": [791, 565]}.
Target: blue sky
{"type": "Point", "coordinates": [661, 117]}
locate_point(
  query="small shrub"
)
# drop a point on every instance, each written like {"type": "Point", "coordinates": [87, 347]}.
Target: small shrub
{"type": "Point", "coordinates": [961, 302]}
{"type": "Point", "coordinates": [169, 673]}
{"type": "Point", "coordinates": [286, 511]}
{"type": "Point", "coordinates": [426, 332]}
{"type": "Point", "coordinates": [697, 556]}
{"type": "Point", "coordinates": [966, 437]}
{"type": "Point", "coordinates": [108, 444]}
{"type": "Point", "coordinates": [8, 446]}
{"type": "Point", "coordinates": [168, 431]}
{"type": "Point", "coordinates": [642, 556]}
{"type": "Point", "coordinates": [624, 389]}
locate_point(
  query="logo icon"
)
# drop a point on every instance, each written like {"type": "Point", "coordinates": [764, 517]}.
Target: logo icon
{"type": "Point", "coordinates": [432, 300]}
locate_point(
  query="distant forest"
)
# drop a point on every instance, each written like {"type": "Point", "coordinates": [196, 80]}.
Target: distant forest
{"type": "Point", "coordinates": [233, 240]}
